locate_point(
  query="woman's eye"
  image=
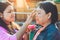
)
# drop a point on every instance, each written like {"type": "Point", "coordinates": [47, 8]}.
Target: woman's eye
{"type": "Point", "coordinates": [9, 12]}
{"type": "Point", "coordinates": [38, 13]}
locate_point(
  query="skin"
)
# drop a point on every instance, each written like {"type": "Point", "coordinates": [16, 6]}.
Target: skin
{"type": "Point", "coordinates": [8, 16]}
{"type": "Point", "coordinates": [42, 18]}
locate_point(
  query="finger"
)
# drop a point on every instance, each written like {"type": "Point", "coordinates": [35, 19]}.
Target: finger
{"type": "Point", "coordinates": [33, 13]}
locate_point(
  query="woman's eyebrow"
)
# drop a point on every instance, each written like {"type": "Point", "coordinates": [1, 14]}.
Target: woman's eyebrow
{"type": "Point", "coordinates": [10, 11]}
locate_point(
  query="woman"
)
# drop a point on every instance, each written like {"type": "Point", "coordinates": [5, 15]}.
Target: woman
{"type": "Point", "coordinates": [47, 16]}
{"type": "Point", "coordinates": [7, 26]}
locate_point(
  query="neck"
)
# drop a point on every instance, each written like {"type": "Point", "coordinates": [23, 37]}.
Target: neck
{"type": "Point", "coordinates": [46, 24]}
{"type": "Point", "coordinates": [7, 22]}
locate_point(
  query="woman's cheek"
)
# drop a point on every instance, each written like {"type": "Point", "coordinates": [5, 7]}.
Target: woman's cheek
{"type": "Point", "coordinates": [40, 19]}
{"type": "Point", "coordinates": [37, 20]}
{"type": "Point", "coordinates": [12, 19]}
{"type": "Point", "coordinates": [7, 17]}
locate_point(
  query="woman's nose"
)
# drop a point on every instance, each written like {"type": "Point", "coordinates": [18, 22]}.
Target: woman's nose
{"type": "Point", "coordinates": [36, 15]}
{"type": "Point", "coordinates": [13, 14]}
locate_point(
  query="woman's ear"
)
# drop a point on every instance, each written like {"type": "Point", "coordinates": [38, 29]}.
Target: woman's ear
{"type": "Point", "coordinates": [49, 15]}
{"type": "Point", "coordinates": [1, 15]}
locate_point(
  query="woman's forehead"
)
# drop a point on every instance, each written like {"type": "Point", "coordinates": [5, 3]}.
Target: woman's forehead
{"type": "Point", "coordinates": [38, 9]}
{"type": "Point", "coordinates": [9, 8]}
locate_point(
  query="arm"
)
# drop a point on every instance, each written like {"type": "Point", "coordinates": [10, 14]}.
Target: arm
{"type": "Point", "coordinates": [5, 36]}
{"type": "Point", "coordinates": [24, 27]}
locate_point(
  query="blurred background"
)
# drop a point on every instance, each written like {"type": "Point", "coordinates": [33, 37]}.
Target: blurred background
{"type": "Point", "coordinates": [25, 7]}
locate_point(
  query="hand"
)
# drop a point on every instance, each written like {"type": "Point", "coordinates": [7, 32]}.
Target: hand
{"type": "Point", "coordinates": [30, 17]}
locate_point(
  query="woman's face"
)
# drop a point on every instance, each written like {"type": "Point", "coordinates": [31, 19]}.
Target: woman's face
{"type": "Point", "coordinates": [8, 14]}
{"type": "Point", "coordinates": [41, 16]}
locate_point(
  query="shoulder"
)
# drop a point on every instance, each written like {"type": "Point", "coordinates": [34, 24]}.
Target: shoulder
{"type": "Point", "coordinates": [3, 32]}
{"type": "Point", "coordinates": [5, 36]}
{"type": "Point", "coordinates": [3, 29]}
{"type": "Point", "coordinates": [53, 34]}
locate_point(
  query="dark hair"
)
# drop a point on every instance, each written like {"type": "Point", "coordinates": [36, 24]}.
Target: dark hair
{"type": "Point", "coordinates": [3, 6]}
{"type": "Point", "coordinates": [49, 7]}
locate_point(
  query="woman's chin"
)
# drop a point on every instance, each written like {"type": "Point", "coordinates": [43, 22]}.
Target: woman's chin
{"type": "Point", "coordinates": [12, 20]}
{"type": "Point", "coordinates": [37, 22]}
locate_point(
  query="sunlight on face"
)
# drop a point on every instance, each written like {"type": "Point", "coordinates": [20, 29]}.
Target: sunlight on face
{"type": "Point", "coordinates": [41, 16]}
{"type": "Point", "coordinates": [8, 14]}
